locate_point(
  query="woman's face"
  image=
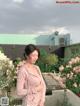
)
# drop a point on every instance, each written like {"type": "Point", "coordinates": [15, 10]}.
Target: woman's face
{"type": "Point", "coordinates": [32, 58]}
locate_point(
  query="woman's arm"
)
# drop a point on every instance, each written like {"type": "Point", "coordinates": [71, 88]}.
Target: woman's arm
{"type": "Point", "coordinates": [21, 76]}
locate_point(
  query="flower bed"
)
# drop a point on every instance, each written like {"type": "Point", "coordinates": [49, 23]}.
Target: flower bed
{"type": "Point", "coordinates": [7, 72]}
{"type": "Point", "coordinates": [70, 73]}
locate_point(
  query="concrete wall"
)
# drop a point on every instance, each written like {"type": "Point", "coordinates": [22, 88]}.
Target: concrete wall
{"type": "Point", "coordinates": [14, 51]}
{"type": "Point", "coordinates": [57, 98]}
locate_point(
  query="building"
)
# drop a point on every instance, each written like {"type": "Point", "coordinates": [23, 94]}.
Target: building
{"type": "Point", "coordinates": [60, 40]}
{"type": "Point", "coordinates": [14, 44]}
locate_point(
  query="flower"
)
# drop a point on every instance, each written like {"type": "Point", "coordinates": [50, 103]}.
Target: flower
{"type": "Point", "coordinates": [61, 68]}
{"type": "Point", "coordinates": [71, 72]}
{"type": "Point", "coordinates": [7, 71]}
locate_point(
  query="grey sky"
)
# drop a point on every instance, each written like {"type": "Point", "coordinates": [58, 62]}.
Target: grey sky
{"type": "Point", "coordinates": [32, 16]}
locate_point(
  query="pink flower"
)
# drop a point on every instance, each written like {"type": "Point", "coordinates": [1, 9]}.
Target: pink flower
{"type": "Point", "coordinates": [76, 69]}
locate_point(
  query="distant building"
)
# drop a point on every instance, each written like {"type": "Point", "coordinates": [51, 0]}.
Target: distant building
{"type": "Point", "coordinates": [59, 40]}
{"type": "Point", "coordinates": [53, 39]}
{"type": "Point", "coordinates": [64, 40]}
{"type": "Point", "coordinates": [14, 44]}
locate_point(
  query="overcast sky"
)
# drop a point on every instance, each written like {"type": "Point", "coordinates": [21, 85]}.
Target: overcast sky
{"type": "Point", "coordinates": [32, 16]}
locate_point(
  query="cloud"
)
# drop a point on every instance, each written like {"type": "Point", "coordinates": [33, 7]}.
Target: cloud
{"type": "Point", "coordinates": [50, 30]}
{"type": "Point", "coordinates": [36, 16]}
{"type": "Point", "coordinates": [18, 1]}
{"type": "Point", "coordinates": [63, 30]}
{"type": "Point", "coordinates": [42, 3]}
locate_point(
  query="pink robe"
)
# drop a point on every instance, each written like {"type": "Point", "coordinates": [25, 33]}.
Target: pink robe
{"type": "Point", "coordinates": [26, 87]}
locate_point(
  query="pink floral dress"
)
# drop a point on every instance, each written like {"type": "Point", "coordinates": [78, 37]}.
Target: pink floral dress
{"type": "Point", "coordinates": [26, 87]}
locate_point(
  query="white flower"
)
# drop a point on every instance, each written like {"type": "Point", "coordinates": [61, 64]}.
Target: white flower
{"type": "Point", "coordinates": [2, 56]}
{"type": "Point", "coordinates": [75, 84]}
{"type": "Point", "coordinates": [68, 66]}
{"type": "Point", "coordinates": [6, 71]}
{"type": "Point", "coordinates": [61, 68]}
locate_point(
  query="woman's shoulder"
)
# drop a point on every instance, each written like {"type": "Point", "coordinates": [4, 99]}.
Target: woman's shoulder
{"type": "Point", "coordinates": [22, 69]}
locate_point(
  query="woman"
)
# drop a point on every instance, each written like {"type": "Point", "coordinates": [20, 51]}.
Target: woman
{"type": "Point", "coordinates": [30, 84]}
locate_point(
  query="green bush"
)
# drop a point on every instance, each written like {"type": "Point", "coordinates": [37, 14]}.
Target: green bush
{"type": "Point", "coordinates": [47, 61]}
